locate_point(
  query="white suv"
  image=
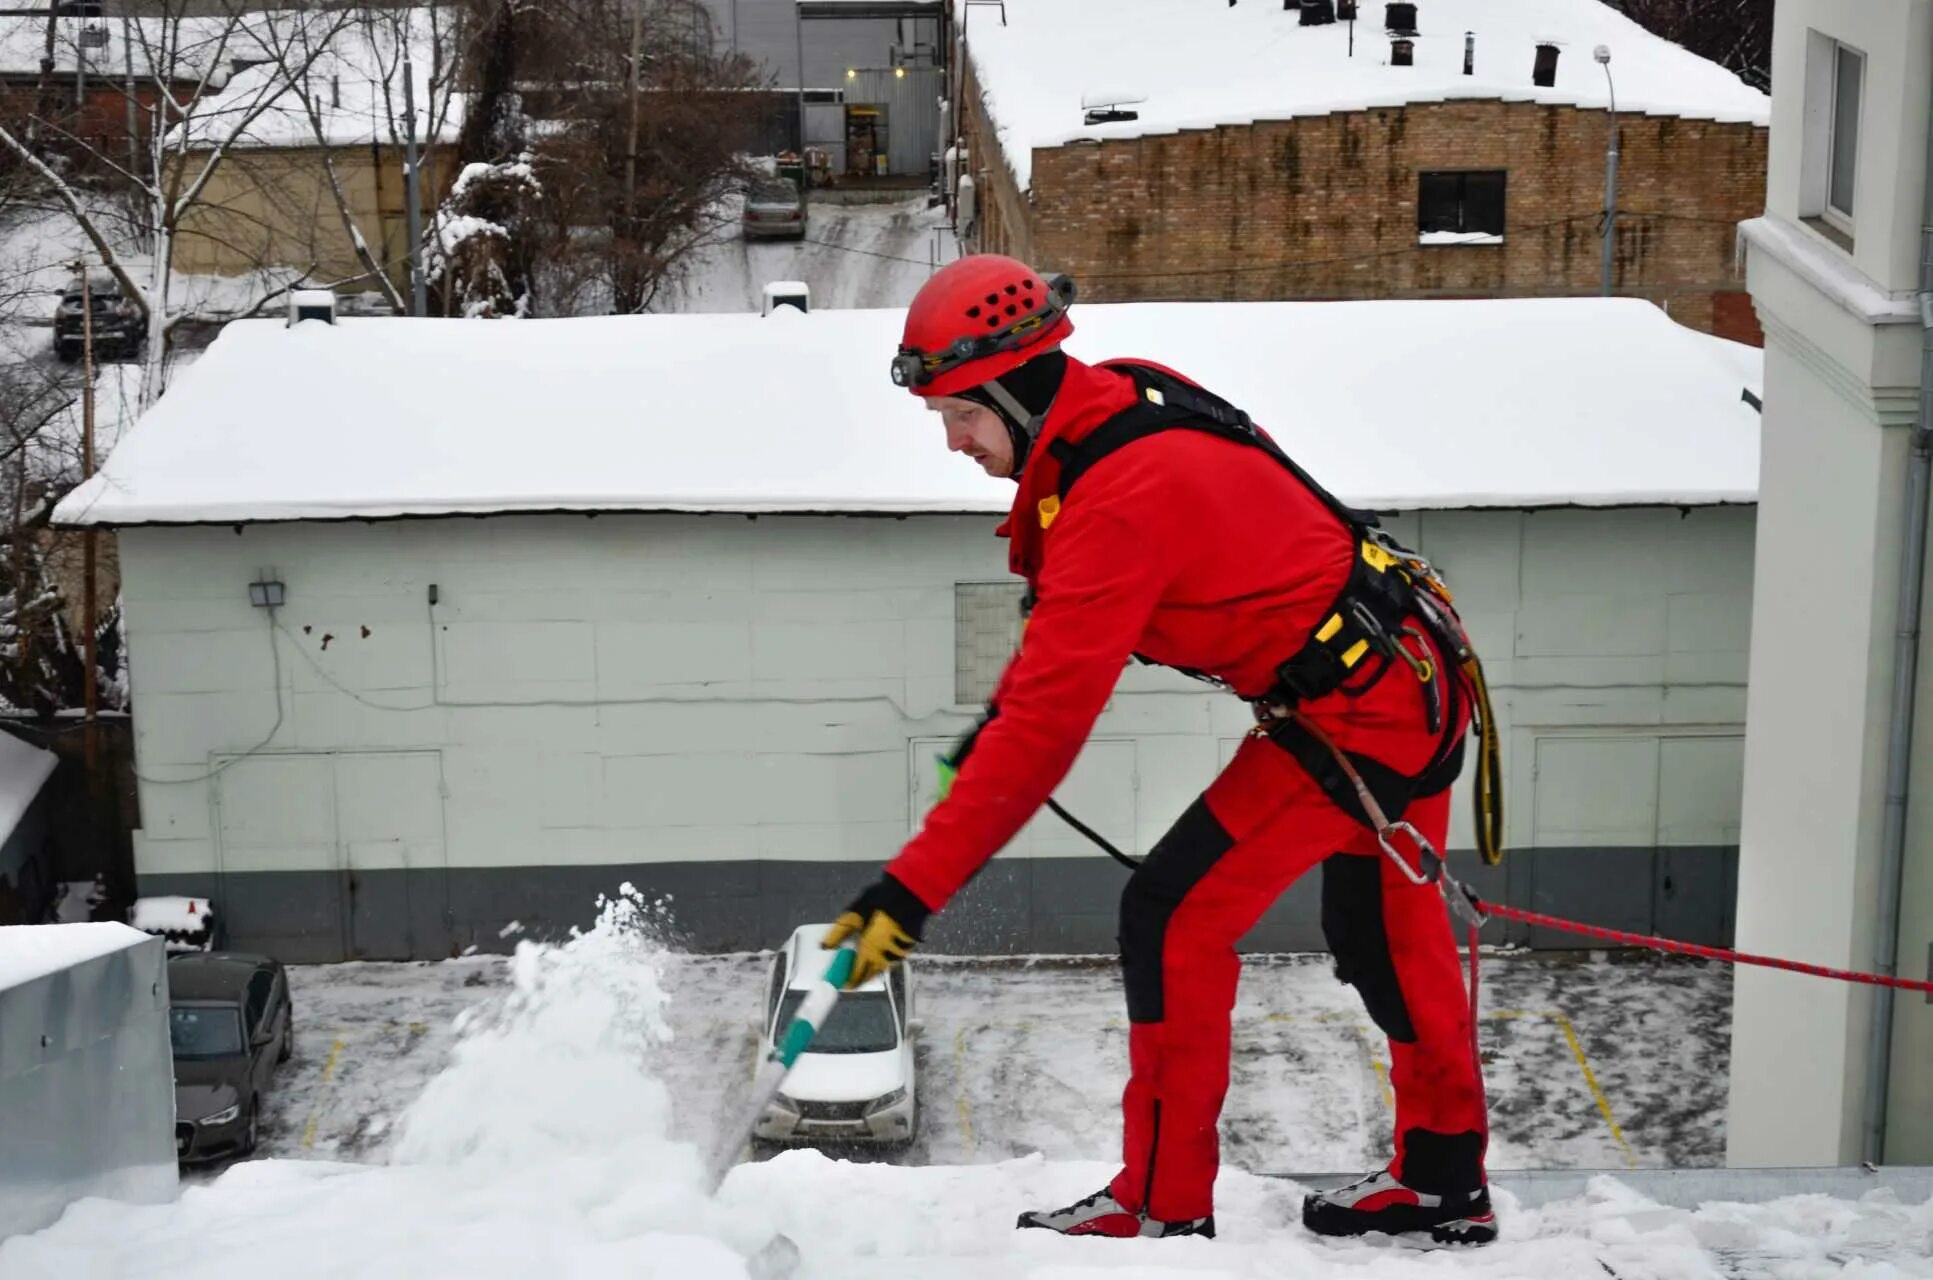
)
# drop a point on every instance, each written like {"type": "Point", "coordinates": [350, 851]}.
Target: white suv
{"type": "Point", "coordinates": [855, 1082]}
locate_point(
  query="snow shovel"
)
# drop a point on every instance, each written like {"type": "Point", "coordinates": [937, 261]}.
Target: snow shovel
{"type": "Point", "coordinates": [780, 1257]}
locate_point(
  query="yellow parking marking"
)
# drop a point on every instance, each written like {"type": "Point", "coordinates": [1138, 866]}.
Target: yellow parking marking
{"type": "Point", "coordinates": [1590, 1078]}
{"type": "Point", "coordinates": [322, 1094]}
{"type": "Point", "coordinates": [959, 1073]}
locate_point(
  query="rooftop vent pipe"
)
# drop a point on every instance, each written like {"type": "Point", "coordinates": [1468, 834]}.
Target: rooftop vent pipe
{"type": "Point", "coordinates": [1400, 19]}
{"type": "Point", "coordinates": [1402, 53]}
{"type": "Point", "coordinates": [1315, 13]}
{"type": "Point", "coordinates": [1469, 53]}
{"type": "Point", "coordinates": [1544, 74]}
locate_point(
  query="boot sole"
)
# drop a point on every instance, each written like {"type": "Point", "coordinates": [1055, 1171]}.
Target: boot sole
{"type": "Point", "coordinates": [1325, 1219]}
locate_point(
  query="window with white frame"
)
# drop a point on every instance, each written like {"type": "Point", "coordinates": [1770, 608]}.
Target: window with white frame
{"type": "Point", "coordinates": [1834, 108]}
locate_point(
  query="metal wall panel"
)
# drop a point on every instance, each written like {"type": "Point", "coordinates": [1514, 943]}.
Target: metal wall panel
{"type": "Point", "coordinates": [911, 103]}
{"type": "Point", "coordinates": [86, 1086]}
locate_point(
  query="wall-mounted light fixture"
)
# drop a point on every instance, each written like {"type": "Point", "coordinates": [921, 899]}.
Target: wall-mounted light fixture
{"type": "Point", "coordinates": [266, 595]}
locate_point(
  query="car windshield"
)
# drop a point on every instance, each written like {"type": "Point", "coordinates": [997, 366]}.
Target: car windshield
{"type": "Point", "coordinates": [205, 1031]}
{"type": "Point", "coordinates": [775, 193]}
{"type": "Point", "coordinates": [862, 1022]}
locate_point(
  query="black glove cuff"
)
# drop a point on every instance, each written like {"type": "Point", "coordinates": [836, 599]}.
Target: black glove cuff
{"type": "Point", "coordinates": [901, 903]}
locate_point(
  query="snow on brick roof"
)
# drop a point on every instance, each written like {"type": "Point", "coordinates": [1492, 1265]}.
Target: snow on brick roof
{"type": "Point", "coordinates": [1394, 405]}
{"type": "Point", "coordinates": [1205, 64]}
{"type": "Point", "coordinates": [23, 768]}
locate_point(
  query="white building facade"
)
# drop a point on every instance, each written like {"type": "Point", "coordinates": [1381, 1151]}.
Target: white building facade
{"type": "Point", "coordinates": [1834, 269]}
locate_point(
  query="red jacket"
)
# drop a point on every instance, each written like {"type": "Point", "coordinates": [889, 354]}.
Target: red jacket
{"type": "Point", "coordinates": [1189, 549]}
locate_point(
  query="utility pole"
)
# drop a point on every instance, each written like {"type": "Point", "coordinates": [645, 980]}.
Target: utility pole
{"type": "Point", "coordinates": [127, 59]}
{"type": "Point", "coordinates": [90, 683]}
{"type": "Point", "coordinates": [637, 85]}
{"type": "Point", "coordinates": [413, 189]}
{"type": "Point", "coordinates": [798, 36]}
{"type": "Point", "coordinates": [1603, 56]}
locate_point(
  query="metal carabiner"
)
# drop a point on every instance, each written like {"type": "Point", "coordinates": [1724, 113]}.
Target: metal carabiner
{"type": "Point", "coordinates": [1429, 865]}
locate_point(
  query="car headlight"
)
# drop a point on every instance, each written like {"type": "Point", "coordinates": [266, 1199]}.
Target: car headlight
{"type": "Point", "coordinates": [782, 1103]}
{"type": "Point", "coordinates": [886, 1102]}
{"type": "Point", "coordinates": [224, 1116]}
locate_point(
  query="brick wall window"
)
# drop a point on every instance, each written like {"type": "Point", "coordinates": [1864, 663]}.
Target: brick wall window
{"type": "Point", "coordinates": [986, 630]}
{"type": "Point", "coordinates": [1460, 207]}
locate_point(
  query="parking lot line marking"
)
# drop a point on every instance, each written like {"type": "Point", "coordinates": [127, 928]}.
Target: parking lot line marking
{"type": "Point", "coordinates": [1590, 1079]}
{"type": "Point", "coordinates": [322, 1094]}
{"type": "Point", "coordinates": [959, 1073]}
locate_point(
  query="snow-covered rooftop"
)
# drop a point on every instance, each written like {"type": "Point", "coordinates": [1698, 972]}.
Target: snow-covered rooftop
{"type": "Point", "coordinates": [30, 951]}
{"type": "Point", "coordinates": [23, 768]}
{"type": "Point", "coordinates": [354, 83]}
{"type": "Point", "coordinates": [1394, 405]}
{"type": "Point", "coordinates": [1207, 64]}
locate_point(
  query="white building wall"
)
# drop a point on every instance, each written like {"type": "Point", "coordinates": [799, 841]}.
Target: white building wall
{"type": "Point", "coordinates": [680, 689]}
{"type": "Point", "coordinates": [1841, 386]}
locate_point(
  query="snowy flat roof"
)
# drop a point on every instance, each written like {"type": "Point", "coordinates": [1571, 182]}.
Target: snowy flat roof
{"type": "Point", "coordinates": [32, 951]}
{"type": "Point", "coordinates": [1394, 405]}
{"type": "Point", "coordinates": [1208, 64]}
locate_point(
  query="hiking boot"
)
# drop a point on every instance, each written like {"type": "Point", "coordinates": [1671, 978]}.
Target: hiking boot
{"type": "Point", "coordinates": [1102, 1215]}
{"type": "Point", "coordinates": [1380, 1203]}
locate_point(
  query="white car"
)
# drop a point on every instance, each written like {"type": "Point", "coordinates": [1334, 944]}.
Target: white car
{"type": "Point", "coordinates": [855, 1082]}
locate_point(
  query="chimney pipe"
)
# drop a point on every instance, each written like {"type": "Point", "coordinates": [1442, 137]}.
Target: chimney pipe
{"type": "Point", "coordinates": [1469, 53]}
{"type": "Point", "coordinates": [1402, 53]}
{"type": "Point", "coordinates": [1544, 74]}
{"type": "Point", "coordinates": [1400, 19]}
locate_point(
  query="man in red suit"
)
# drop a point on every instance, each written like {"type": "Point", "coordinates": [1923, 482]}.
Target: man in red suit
{"type": "Point", "coordinates": [1193, 541]}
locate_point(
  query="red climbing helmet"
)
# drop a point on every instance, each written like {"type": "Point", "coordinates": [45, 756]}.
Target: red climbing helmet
{"type": "Point", "coordinates": [978, 318]}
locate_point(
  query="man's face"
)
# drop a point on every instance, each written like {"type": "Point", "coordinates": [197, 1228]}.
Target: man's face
{"type": "Point", "coordinates": [976, 431]}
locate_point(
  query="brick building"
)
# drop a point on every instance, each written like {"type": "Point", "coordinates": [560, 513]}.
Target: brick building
{"type": "Point", "coordinates": [1265, 160]}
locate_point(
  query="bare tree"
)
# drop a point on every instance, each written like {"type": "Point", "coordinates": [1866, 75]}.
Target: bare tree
{"type": "Point", "coordinates": [590, 175]}
{"type": "Point", "coordinates": [1736, 34]}
{"type": "Point", "coordinates": [182, 65]}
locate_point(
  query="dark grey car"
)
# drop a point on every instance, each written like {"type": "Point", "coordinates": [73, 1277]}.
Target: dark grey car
{"type": "Point", "coordinates": [231, 1023]}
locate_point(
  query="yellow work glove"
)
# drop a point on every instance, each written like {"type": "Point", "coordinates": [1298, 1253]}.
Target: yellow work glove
{"type": "Point", "coordinates": [885, 923]}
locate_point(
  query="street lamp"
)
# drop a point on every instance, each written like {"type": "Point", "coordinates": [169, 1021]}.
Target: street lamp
{"type": "Point", "coordinates": [1603, 56]}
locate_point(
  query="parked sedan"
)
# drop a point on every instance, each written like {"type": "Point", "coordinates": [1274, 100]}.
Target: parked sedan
{"type": "Point", "coordinates": [774, 209]}
{"type": "Point", "coordinates": [231, 1023]}
{"type": "Point", "coordinates": [855, 1082]}
{"type": "Point", "coordinates": [119, 329]}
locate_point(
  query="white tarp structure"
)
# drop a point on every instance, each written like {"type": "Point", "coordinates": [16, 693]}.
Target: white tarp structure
{"type": "Point", "coordinates": [1395, 405]}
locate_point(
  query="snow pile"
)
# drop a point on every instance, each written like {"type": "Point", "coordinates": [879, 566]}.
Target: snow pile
{"type": "Point", "coordinates": [1398, 405]}
{"type": "Point", "coordinates": [23, 769]}
{"type": "Point", "coordinates": [30, 951]}
{"type": "Point", "coordinates": [185, 923]}
{"type": "Point", "coordinates": [1200, 66]}
{"type": "Point", "coordinates": [170, 915]}
{"type": "Point", "coordinates": [541, 1149]}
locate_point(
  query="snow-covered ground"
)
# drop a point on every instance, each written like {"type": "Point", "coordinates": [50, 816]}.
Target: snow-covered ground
{"type": "Point", "coordinates": [856, 255]}
{"type": "Point", "coordinates": [1594, 1063]}
{"type": "Point", "coordinates": [484, 1118]}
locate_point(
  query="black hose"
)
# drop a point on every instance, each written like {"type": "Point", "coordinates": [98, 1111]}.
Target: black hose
{"type": "Point", "coordinates": [1132, 864]}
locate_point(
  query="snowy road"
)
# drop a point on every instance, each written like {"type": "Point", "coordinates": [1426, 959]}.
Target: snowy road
{"type": "Point", "coordinates": [862, 255]}
{"type": "Point", "coordinates": [504, 1119]}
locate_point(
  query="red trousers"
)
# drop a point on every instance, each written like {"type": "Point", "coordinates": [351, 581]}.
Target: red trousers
{"type": "Point", "coordinates": [1259, 827]}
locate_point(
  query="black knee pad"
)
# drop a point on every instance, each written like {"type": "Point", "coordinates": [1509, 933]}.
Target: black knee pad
{"type": "Point", "coordinates": [1176, 864]}
{"type": "Point", "coordinates": [1352, 921]}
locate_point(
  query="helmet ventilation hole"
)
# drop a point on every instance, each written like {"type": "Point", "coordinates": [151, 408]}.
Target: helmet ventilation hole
{"type": "Point", "coordinates": [973, 313]}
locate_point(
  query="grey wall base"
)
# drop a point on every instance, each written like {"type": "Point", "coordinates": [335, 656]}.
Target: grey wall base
{"type": "Point", "coordinates": [1016, 906]}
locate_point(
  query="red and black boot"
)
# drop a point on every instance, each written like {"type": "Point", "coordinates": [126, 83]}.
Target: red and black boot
{"type": "Point", "coordinates": [1381, 1203]}
{"type": "Point", "coordinates": [1102, 1215]}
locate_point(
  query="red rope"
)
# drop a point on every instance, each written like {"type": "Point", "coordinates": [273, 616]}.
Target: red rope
{"type": "Point", "coordinates": [1693, 949]}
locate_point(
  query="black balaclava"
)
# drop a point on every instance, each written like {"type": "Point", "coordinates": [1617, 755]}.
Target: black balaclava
{"type": "Point", "coordinates": [1022, 398]}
